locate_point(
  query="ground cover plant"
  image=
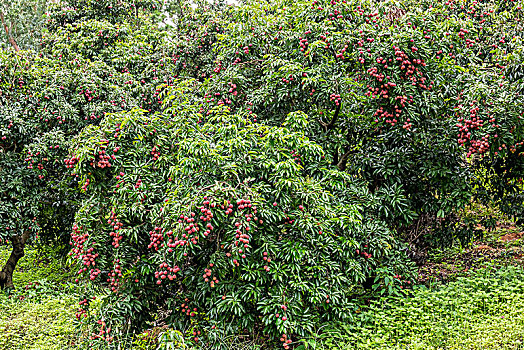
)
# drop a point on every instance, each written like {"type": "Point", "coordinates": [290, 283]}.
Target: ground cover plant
{"type": "Point", "coordinates": [481, 311]}
{"type": "Point", "coordinates": [39, 314]}
{"type": "Point", "coordinates": [253, 171]}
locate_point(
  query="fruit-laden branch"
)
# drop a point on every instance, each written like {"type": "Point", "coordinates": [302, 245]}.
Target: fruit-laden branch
{"type": "Point", "coordinates": [8, 33]}
{"type": "Point", "coordinates": [6, 275]}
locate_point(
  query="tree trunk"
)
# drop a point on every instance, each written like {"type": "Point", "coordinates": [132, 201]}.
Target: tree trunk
{"type": "Point", "coordinates": [6, 275]}
{"type": "Point", "coordinates": [9, 33]}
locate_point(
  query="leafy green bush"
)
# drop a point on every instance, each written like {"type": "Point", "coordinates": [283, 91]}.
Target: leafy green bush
{"type": "Point", "coordinates": [410, 96]}
{"type": "Point", "coordinates": [229, 224]}
{"type": "Point", "coordinates": [328, 128]}
{"type": "Point", "coordinates": [87, 65]}
{"type": "Point", "coordinates": [22, 22]}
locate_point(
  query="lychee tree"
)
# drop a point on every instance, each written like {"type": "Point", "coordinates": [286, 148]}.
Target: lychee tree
{"type": "Point", "coordinates": [384, 86]}
{"type": "Point", "coordinates": [490, 121]}
{"type": "Point", "coordinates": [383, 81]}
{"type": "Point", "coordinates": [227, 223]}
{"type": "Point", "coordinates": [48, 96]}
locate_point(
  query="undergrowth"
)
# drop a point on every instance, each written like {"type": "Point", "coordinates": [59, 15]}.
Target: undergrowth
{"type": "Point", "coordinates": [479, 308]}
{"type": "Point", "coordinates": [39, 313]}
{"type": "Point", "coordinates": [481, 311]}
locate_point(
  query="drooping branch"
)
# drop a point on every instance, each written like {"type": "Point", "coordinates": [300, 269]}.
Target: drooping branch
{"type": "Point", "coordinates": [8, 33]}
{"type": "Point", "coordinates": [6, 275]}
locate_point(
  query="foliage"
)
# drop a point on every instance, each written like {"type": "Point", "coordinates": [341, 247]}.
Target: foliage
{"type": "Point", "coordinates": [317, 132]}
{"type": "Point", "coordinates": [481, 311]}
{"type": "Point", "coordinates": [49, 96]}
{"type": "Point", "coordinates": [229, 224]}
{"type": "Point", "coordinates": [390, 87]}
{"type": "Point", "coordinates": [21, 23]}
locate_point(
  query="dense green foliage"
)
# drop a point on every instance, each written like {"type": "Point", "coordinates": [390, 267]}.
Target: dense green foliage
{"type": "Point", "coordinates": [49, 96]}
{"type": "Point", "coordinates": [21, 23]}
{"type": "Point", "coordinates": [252, 168]}
{"type": "Point", "coordinates": [481, 311]}
{"type": "Point", "coordinates": [392, 87]}
{"type": "Point", "coordinates": [235, 225]}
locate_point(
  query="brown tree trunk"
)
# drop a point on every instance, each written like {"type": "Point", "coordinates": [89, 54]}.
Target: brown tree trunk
{"type": "Point", "coordinates": [8, 33]}
{"type": "Point", "coordinates": [6, 275]}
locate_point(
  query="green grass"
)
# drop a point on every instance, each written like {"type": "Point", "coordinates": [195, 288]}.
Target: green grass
{"type": "Point", "coordinates": [39, 314]}
{"type": "Point", "coordinates": [37, 324]}
{"type": "Point", "coordinates": [482, 311]}
{"type": "Point", "coordinates": [39, 264]}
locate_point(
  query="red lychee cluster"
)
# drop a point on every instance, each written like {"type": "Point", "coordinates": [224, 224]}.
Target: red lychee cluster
{"type": "Point", "coordinates": [113, 277]}
{"type": "Point", "coordinates": [88, 94]}
{"type": "Point", "coordinates": [336, 98]}
{"type": "Point", "coordinates": [86, 255]}
{"type": "Point", "coordinates": [285, 341]}
{"type": "Point", "coordinates": [218, 68]}
{"type": "Point", "coordinates": [70, 162]}
{"type": "Point", "coordinates": [303, 42]}
{"type": "Point", "coordinates": [268, 260]}
{"type": "Point", "coordinates": [165, 271]}
{"type": "Point", "coordinates": [289, 79]}
{"type": "Point", "coordinates": [155, 152]}
{"type": "Point", "coordinates": [363, 253]}
{"type": "Point", "coordinates": [103, 333]}
{"type": "Point", "coordinates": [81, 312]}
{"type": "Point", "coordinates": [157, 238]}
{"type": "Point", "coordinates": [469, 124]}
{"type": "Point", "coordinates": [103, 159]}
{"type": "Point", "coordinates": [412, 72]}
{"type": "Point", "coordinates": [207, 276]}
{"type": "Point", "coordinates": [30, 159]}
{"type": "Point", "coordinates": [84, 186]}
{"type": "Point", "coordinates": [185, 309]}
{"type": "Point", "coordinates": [233, 89]}
{"type": "Point", "coordinates": [120, 179]}
{"type": "Point", "coordinates": [116, 225]}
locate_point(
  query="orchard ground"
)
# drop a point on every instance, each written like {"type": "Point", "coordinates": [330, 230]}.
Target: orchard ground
{"type": "Point", "coordinates": [466, 298]}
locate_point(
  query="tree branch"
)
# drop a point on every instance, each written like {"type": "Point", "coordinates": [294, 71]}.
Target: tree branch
{"type": "Point", "coordinates": [335, 117]}
{"type": "Point", "coordinates": [331, 124]}
{"type": "Point", "coordinates": [7, 32]}
{"type": "Point", "coordinates": [342, 163]}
